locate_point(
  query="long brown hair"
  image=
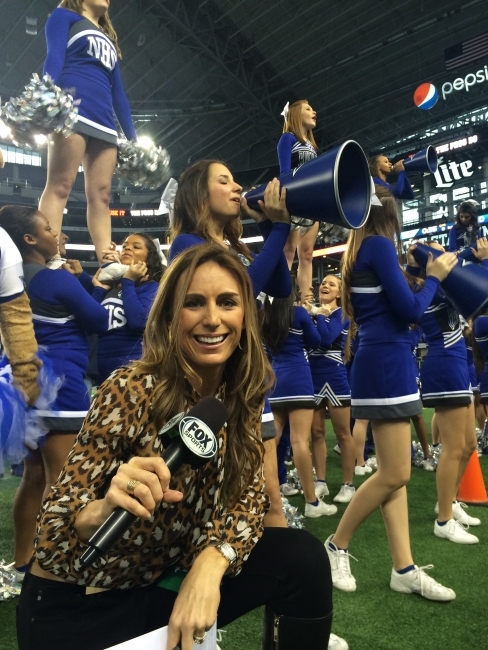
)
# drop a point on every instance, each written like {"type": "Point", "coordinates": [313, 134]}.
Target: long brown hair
{"type": "Point", "coordinates": [192, 213]}
{"type": "Point", "coordinates": [247, 376]}
{"type": "Point", "coordinates": [293, 124]}
{"type": "Point", "coordinates": [383, 221]}
{"type": "Point", "coordinates": [104, 22]}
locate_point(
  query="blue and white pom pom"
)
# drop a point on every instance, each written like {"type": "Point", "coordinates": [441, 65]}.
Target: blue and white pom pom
{"type": "Point", "coordinates": [142, 165]}
{"type": "Point", "coordinates": [41, 109]}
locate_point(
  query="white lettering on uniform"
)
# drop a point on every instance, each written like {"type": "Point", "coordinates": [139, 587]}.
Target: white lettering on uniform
{"type": "Point", "coordinates": [101, 50]}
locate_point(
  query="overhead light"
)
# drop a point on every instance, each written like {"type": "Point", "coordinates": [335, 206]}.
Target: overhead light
{"type": "Point", "coordinates": [145, 142]}
{"type": "Point", "coordinates": [40, 139]}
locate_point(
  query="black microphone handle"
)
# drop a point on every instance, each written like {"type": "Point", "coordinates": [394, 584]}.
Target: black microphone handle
{"type": "Point", "coordinates": [120, 520]}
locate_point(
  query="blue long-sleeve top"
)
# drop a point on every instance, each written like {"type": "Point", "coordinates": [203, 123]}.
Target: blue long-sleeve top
{"type": "Point", "coordinates": [303, 335]}
{"type": "Point", "coordinates": [268, 271]}
{"type": "Point", "coordinates": [460, 238]}
{"type": "Point", "coordinates": [333, 332]}
{"type": "Point", "coordinates": [402, 188]}
{"type": "Point", "coordinates": [80, 56]}
{"type": "Point", "coordinates": [63, 313]}
{"type": "Point", "coordinates": [127, 309]}
{"type": "Point", "coordinates": [292, 153]}
{"type": "Point", "coordinates": [481, 334]}
{"type": "Point", "coordinates": [382, 301]}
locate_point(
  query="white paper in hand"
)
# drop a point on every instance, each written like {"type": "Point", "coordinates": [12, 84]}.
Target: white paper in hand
{"type": "Point", "coordinates": [157, 641]}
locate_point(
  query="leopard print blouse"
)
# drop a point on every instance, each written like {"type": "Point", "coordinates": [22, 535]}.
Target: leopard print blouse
{"type": "Point", "coordinates": [118, 426]}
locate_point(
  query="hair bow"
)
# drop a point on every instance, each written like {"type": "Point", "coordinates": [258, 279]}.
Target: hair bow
{"type": "Point", "coordinates": [285, 111]}
{"type": "Point", "coordinates": [167, 203]}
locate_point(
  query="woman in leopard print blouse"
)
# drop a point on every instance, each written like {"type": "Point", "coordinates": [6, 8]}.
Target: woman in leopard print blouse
{"type": "Point", "coordinates": [201, 339]}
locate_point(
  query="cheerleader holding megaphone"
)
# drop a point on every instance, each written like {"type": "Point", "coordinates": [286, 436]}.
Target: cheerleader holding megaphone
{"type": "Point", "coordinates": [380, 167]}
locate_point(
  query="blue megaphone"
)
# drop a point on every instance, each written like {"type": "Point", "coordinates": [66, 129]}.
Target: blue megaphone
{"type": "Point", "coordinates": [334, 187]}
{"type": "Point", "coordinates": [422, 161]}
{"type": "Point", "coordinates": [466, 286]}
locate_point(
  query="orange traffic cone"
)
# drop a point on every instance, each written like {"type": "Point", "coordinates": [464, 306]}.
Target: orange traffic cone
{"type": "Point", "coordinates": [472, 487]}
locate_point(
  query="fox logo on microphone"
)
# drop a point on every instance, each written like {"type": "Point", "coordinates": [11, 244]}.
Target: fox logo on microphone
{"type": "Point", "coordinates": [198, 437]}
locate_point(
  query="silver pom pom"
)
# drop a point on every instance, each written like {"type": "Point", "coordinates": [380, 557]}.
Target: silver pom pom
{"type": "Point", "coordinates": [330, 234]}
{"type": "Point", "coordinates": [293, 518]}
{"type": "Point", "coordinates": [41, 109]}
{"type": "Point", "coordinates": [142, 166]}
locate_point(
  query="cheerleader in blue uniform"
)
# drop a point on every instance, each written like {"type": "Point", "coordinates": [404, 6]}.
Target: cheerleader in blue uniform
{"type": "Point", "coordinates": [418, 420]}
{"type": "Point", "coordinates": [380, 167]}
{"type": "Point", "coordinates": [83, 54]}
{"type": "Point", "coordinates": [480, 351]}
{"type": "Point", "coordinates": [331, 390]}
{"type": "Point", "coordinates": [296, 147]}
{"type": "Point", "coordinates": [128, 304]}
{"type": "Point", "coordinates": [384, 390]}
{"type": "Point", "coordinates": [62, 313]}
{"type": "Point", "coordinates": [289, 332]}
{"type": "Point", "coordinates": [207, 208]}
{"type": "Point", "coordinates": [474, 374]}
{"type": "Point", "coordinates": [465, 231]}
{"type": "Point", "coordinates": [446, 387]}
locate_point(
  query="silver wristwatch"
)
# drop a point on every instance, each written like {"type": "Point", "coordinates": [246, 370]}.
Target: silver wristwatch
{"type": "Point", "coordinates": [228, 552]}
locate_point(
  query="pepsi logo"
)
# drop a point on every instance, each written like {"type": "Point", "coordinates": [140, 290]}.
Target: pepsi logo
{"type": "Point", "coordinates": [426, 96]}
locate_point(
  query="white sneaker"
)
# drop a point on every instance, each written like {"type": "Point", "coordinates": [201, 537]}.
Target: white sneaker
{"type": "Point", "coordinates": [112, 272]}
{"type": "Point", "coordinates": [321, 489]}
{"type": "Point", "coordinates": [345, 494]}
{"type": "Point", "coordinates": [288, 490]}
{"type": "Point", "coordinates": [418, 582]}
{"type": "Point", "coordinates": [337, 449]}
{"type": "Point", "coordinates": [361, 470]}
{"type": "Point", "coordinates": [342, 577]}
{"type": "Point", "coordinates": [336, 643]}
{"type": "Point", "coordinates": [428, 465]}
{"type": "Point", "coordinates": [454, 532]}
{"type": "Point", "coordinates": [459, 514]}
{"type": "Point", "coordinates": [319, 510]}
{"type": "Point", "coordinates": [372, 462]}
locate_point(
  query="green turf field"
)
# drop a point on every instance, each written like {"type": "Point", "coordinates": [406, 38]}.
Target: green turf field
{"type": "Point", "coordinates": [374, 617]}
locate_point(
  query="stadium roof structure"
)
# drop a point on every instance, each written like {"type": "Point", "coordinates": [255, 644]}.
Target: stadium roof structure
{"type": "Point", "coordinates": [209, 78]}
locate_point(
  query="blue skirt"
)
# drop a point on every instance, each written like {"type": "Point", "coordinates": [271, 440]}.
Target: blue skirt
{"type": "Point", "coordinates": [445, 381]}
{"type": "Point", "coordinates": [294, 387]}
{"type": "Point", "coordinates": [483, 386]}
{"type": "Point", "coordinates": [330, 382]}
{"type": "Point", "coordinates": [383, 383]}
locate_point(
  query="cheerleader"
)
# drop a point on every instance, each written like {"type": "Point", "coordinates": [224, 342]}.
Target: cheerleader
{"type": "Point", "coordinates": [331, 391]}
{"type": "Point", "coordinates": [446, 387]}
{"type": "Point", "coordinates": [62, 313]}
{"type": "Point", "coordinates": [288, 332]}
{"type": "Point", "coordinates": [128, 303]}
{"type": "Point", "coordinates": [380, 166]}
{"type": "Point", "coordinates": [475, 369]}
{"type": "Point", "coordinates": [296, 147]}
{"type": "Point", "coordinates": [465, 231]}
{"type": "Point", "coordinates": [207, 208]}
{"type": "Point", "coordinates": [418, 420]}
{"type": "Point", "coordinates": [376, 296]}
{"type": "Point", "coordinates": [83, 54]}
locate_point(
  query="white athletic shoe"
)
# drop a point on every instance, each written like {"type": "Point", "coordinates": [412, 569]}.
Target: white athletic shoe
{"type": "Point", "coordinates": [362, 470]}
{"type": "Point", "coordinates": [112, 272]}
{"type": "Point", "coordinates": [454, 532]}
{"type": "Point", "coordinates": [428, 465]}
{"type": "Point", "coordinates": [288, 490]}
{"type": "Point", "coordinates": [319, 510]}
{"type": "Point", "coordinates": [337, 449]}
{"type": "Point", "coordinates": [342, 577]}
{"type": "Point", "coordinates": [459, 514]}
{"type": "Point", "coordinates": [345, 494]}
{"type": "Point", "coordinates": [336, 643]}
{"type": "Point", "coordinates": [372, 462]}
{"type": "Point", "coordinates": [321, 489]}
{"type": "Point", "coordinates": [418, 582]}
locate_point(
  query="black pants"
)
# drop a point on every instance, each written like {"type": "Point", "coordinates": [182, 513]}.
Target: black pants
{"type": "Point", "coordinates": [287, 570]}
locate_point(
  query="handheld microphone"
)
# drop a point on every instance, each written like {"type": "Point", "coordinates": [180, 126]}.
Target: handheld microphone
{"type": "Point", "coordinates": [193, 442]}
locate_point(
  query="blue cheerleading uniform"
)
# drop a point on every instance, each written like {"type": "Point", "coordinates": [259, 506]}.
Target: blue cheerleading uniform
{"type": "Point", "coordinates": [292, 154]}
{"type": "Point", "coordinates": [402, 188]}
{"type": "Point", "coordinates": [127, 307]}
{"type": "Point", "coordinates": [83, 60]}
{"type": "Point", "coordinates": [444, 373]}
{"type": "Point", "coordinates": [63, 313]}
{"type": "Point", "coordinates": [383, 381]}
{"type": "Point", "coordinates": [473, 376]}
{"type": "Point", "coordinates": [294, 386]}
{"type": "Point", "coordinates": [481, 337]}
{"type": "Point", "coordinates": [461, 237]}
{"type": "Point", "coordinates": [268, 271]}
{"type": "Point", "coordinates": [329, 374]}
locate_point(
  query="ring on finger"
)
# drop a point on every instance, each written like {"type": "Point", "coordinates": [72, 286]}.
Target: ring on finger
{"type": "Point", "coordinates": [132, 484]}
{"type": "Point", "coordinates": [198, 640]}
